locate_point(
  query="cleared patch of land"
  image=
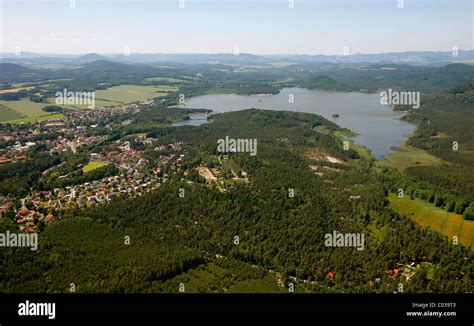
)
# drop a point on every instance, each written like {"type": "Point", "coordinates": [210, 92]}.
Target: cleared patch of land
{"type": "Point", "coordinates": [99, 103]}
{"type": "Point", "coordinates": [322, 130]}
{"type": "Point", "coordinates": [8, 114]}
{"type": "Point", "coordinates": [112, 97]}
{"type": "Point", "coordinates": [141, 134]}
{"type": "Point", "coordinates": [14, 90]}
{"type": "Point", "coordinates": [130, 93]}
{"type": "Point", "coordinates": [166, 79]}
{"type": "Point", "coordinates": [25, 107]}
{"type": "Point", "coordinates": [440, 135]}
{"type": "Point", "coordinates": [40, 118]}
{"type": "Point", "coordinates": [92, 165]}
{"type": "Point", "coordinates": [206, 173]}
{"type": "Point", "coordinates": [407, 156]}
{"type": "Point", "coordinates": [213, 278]}
{"type": "Point", "coordinates": [123, 94]}
{"type": "Point", "coordinates": [435, 218]}
{"type": "Point", "coordinates": [166, 88]}
{"type": "Point", "coordinates": [319, 154]}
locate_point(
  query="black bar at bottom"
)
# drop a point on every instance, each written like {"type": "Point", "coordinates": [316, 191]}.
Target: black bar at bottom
{"type": "Point", "coordinates": [88, 307]}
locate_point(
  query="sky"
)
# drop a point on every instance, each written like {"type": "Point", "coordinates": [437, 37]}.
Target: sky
{"type": "Point", "coordinates": [219, 26]}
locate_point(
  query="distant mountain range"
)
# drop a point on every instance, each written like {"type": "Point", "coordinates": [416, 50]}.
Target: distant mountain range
{"type": "Point", "coordinates": [93, 71]}
{"type": "Point", "coordinates": [367, 76]}
{"type": "Point", "coordinates": [411, 57]}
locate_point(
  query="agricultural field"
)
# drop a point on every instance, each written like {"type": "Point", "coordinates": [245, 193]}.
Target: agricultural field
{"type": "Point", "coordinates": [166, 88]}
{"type": "Point", "coordinates": [165, 79]}
{"type": "Point", "coordinates": [124, 94]}
{"type": "Point", "coordinates": [14, 90]}
{"type": "Point", "coordinates": [112, 97]}
{"type": "Point", "coordinates": [130, 93]}
{"type": "Point", "coordinates": [99, 103]}
{"type": "Point", "coordinates": [24, 107]}
{"type": "Point", "coordinates": [92, 165]}
{"type": "Point", "coordinates": [39, 118]}
{"type": "Point", "coordinates": [8, 114]}
{"type": "Point", "coordinates": [435, 218]}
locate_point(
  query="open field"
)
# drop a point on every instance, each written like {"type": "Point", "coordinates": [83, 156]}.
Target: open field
{"type": "Point", "coordinates": [24, 107]}
{"type": "Point", "coordinates": [123, 94]}
{"type": "Point", "coordinates": [14, 90]}
{"type": "Point", "coordinates": [92, 165]}
{"type": "Point", "coordinates": [407, 156]}
{"type": "Point", "coordinates": [19, 85]}
{"type": "Point", "coordinates": [130, 93]}
{"type": "Point", "coordinates": [166, 79]}
{"type": "Point", "coordinates": [39, 118]}
{"type": "Point", "coordinates": [166, 88]}
{"type": "Point", "coordinates": [140, 134]}
{"type": "Point", "coordinates": [322, 130]}
{"type": "Point", "coordinates": [99, 103]}
{"type": "Point", "coordinates": [435, 218]}
{"type": "Point", "coordinates": [213, 278]}
{"type": "Point", "coordinates": [24, 111]}
{"type": "Point", "coordinates": [112, 97]}
{"type": "Point", "coordinates": [8, 114]}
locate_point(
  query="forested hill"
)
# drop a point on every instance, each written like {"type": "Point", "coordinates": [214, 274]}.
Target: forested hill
{"type": "Point", "coordinates": [404, 77]}
{"type": "Point", "coordinates": [244, 232]}
{"type": "Point", "coordinates": [11, 70]}
{"type": "Point", "coordinates": [87, 72]}
{"type": "Point", "coordinates": [443, 121]}
{"type": "Point", "coordinates": [324, 83]}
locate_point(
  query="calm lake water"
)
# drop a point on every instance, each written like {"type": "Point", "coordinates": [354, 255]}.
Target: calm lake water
{"type": "Point", "coordinates": [190, 122]}
{"type": "Point", "coordinates": [378, 126]}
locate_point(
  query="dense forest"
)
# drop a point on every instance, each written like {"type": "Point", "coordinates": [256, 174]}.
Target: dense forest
{"type": "Point", "coordinates": [402, 77]}
{"type": "Point", "coordinates": [201, 79]}
{"type": "Point", "coordinates": [247, 237]}
{"type": "Point", "coordinates": [444, 129]}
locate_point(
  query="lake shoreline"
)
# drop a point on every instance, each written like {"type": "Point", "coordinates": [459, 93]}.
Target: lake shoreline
{"type": "Point", "coordinates": [375, 126]}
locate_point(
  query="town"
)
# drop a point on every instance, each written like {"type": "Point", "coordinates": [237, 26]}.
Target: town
{"type": "Point", "coordinates": [125, 169]}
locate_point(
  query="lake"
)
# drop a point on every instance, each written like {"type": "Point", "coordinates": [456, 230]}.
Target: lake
{"type": "Point", "coordinates": [378, 126]}
{"type": "Point", "coordinates": [195, 119]}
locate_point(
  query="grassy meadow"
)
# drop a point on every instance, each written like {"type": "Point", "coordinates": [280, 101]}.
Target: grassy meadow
{"type": "Point", "coordinates": [435, 218]}
{"type": "Point", "coordinates": [24, 107]}
{"type": "Point", "coordinates": [8, 114]}
{"type": "Point", "coordinates": [92, 165]}
{"type": "Point", "coordinates": [407, 156]}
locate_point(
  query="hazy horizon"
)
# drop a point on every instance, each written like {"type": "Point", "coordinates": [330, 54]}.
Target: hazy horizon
{"type": "Point", "coordinates": [223, 53]}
